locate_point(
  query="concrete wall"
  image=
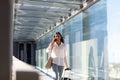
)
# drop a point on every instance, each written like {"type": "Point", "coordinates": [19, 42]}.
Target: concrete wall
{"type": "Point", "coordinates": [6, 39]}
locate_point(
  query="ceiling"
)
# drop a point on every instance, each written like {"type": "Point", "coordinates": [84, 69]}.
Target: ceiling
{"type": "Point", "coordinates": [35, 17]}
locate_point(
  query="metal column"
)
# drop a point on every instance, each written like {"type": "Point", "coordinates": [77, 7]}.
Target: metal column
{"type": "Point", "coordinates": [32, 54]}
{"type": "Point", "coordinates": [25, 52]}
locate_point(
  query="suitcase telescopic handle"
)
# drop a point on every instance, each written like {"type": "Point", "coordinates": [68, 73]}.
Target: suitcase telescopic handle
{"type": "Point", "coordinates": [67, 69]}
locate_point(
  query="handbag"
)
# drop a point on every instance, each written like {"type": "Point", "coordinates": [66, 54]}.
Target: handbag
{"type": "Point", "coordinates": [49, 63]}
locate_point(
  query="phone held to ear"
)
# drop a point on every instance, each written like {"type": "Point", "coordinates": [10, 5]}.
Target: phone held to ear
{"type": "Point", "coordinates": [55, 40]}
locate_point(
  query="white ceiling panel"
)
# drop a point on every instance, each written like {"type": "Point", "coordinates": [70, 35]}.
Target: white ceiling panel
{"type": "Point", "coordinates": [34, 17]}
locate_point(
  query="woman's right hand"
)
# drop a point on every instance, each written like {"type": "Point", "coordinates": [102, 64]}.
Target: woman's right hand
{"type": "Point", "coordinates": [53, 39]}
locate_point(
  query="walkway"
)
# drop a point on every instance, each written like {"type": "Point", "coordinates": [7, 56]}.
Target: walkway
{"type": "Point", "coordinates": [18, 65]}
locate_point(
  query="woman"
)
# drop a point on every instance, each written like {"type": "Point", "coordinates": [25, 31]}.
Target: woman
{"type": "Point", "coordinates": [57, 51]}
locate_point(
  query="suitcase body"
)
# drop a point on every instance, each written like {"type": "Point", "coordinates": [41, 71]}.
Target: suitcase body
{"type": "Point", "coordinates": [68, 77]}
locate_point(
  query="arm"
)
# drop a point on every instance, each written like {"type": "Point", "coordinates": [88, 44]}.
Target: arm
{"type": "Point", "coordinates": [50, 47]}
{"type": "Point", "coordinates": [65, 59]}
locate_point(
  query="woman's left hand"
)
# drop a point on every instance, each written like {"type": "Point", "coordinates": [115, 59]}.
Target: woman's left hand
{"type": "Point", "coordinates": [68, 69]}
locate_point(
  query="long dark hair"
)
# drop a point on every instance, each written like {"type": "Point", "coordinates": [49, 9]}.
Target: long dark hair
{"type": "Point", "coordinates": [62, 40]}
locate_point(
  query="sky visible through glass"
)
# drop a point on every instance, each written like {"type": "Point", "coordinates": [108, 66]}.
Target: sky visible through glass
{"type": "Point", "coordinates": [113, 25]}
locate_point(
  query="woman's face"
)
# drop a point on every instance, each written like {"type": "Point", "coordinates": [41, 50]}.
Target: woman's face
{"type": "Point", "coordinates": [57, 37]}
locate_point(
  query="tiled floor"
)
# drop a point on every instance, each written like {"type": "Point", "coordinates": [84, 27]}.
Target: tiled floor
{"type": "Point", "coordinates": [44, 77]}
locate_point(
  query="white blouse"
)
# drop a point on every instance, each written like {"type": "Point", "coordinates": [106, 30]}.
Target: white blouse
{"type": "Point", "coordinates": [58, 53]}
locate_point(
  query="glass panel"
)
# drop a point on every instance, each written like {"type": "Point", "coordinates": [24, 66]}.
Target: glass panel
{"type": "Point", "coordinates": [92, 40]}
{"type": "Point", "coordinates": [113, 16]}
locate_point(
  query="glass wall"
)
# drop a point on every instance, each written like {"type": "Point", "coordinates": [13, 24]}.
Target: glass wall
{"type": "Point", "coordinates": [113, 16]}
{"type": "Point", "coordinates": [91, 38]}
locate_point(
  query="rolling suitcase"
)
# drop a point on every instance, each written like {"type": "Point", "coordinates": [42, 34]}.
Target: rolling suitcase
{"type": "Point", "coordinates": [68, 75]}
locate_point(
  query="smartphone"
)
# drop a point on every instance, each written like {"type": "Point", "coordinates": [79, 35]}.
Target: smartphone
{"type": "Point", "coordinates": [55, 40]}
